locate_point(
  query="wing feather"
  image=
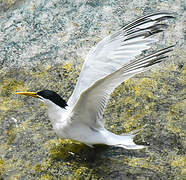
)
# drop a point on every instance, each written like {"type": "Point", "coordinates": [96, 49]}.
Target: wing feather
{"type": "Point", "coordinates": [92, 102]}
{"type": "Point", "coordinates": [118, 49]}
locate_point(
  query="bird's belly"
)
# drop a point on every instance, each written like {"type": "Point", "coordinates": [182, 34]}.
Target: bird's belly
{"type": "Point", "coordinates": [80, 132]}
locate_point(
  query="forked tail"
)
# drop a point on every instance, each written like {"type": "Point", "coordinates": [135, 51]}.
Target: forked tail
{"type": "Point", "coordinates": [125, 141]}
{"type": "Point", "coordinates": [129, 144]}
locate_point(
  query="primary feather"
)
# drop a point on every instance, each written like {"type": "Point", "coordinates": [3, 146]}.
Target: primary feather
{"type": "Point", "coordinates": [118, 49]}
{"type": "Point", "coordinates": [95, 98]}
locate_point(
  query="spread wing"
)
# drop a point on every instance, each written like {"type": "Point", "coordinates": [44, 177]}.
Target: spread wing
{"type": "Point", "coordinates": [118, 49]}
{"type": "Point", "coordinates": [91, 104]}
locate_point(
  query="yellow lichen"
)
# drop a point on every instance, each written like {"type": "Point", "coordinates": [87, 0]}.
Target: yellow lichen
{"type": "Point", "coordinates": [143, 163]}
{"type": "Point", "coordinates": [184, 70]}
{"type": "Point", "coordinates": [8, 104]}
{"type": "Point", "coordinates": [11, 134]}
{"type": "Point", "coordinates": [130, 122]}
{"type": "Point", "coordinates": [80, 171]}
{"type": "Point", "coordinates": [173, 116]}
{"type": "Point", "coordinates": [179, 161]}
{"type": "Point", "coordinates": [183, 171]}
{"type": "Point", "coordinates": [18, 28]}
{"type": "Point", "coordinates": [2, 166]}
{"type": "Point", "coordinates": [10, 86]}
{"type": "Point", "coordinates": [41, 167]}
{"type": "Point", "coordinates": [63, 148]}
{"type": "Point", "coordinates": [45, 177]}
{"type": "Point", "coordinates": [7, 2]}
{"type": "Point", "coordinates": [172, 67]}
{"type": "Point", "coordinates": [67, 67]}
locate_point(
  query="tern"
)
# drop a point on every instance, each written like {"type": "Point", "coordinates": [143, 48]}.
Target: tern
{"type": "Point", "coordinates": [108, 64]}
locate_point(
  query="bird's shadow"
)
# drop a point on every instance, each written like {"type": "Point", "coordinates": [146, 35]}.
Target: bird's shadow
{"type": "Point", "coordinates": [81, 153]}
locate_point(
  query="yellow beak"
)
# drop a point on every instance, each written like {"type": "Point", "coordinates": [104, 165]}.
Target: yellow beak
{"type": "Point", "coordinates": [33, 94]}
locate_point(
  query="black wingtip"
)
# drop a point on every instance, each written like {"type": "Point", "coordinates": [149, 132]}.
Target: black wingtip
{"type": "Point", "coordinates": [156, 61]}
{"type": "Point", "coordinates": [168, 14]}
{"type": "Point", "coordinates": [160, 55]}
{"type": "Point", "coordinates": [168, 48]}
{"type": "Point", "coordinates": [148, 18]}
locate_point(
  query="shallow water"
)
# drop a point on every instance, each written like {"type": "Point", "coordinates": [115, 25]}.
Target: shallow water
{"type": "Point", "coordinates": [43, 45]}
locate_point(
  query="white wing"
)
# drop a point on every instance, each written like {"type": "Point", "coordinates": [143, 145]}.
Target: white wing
{"type": "Point", "coordinates": [118, 49]}
{"type": "Point", "coordinates": [91, 104]}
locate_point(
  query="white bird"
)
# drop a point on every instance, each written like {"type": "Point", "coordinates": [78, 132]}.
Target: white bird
{"type": "Point", "coordinates": [107, 65]}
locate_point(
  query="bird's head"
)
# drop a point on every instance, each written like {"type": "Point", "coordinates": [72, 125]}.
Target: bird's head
{"type": "Point", "coordinates": [48, 97]}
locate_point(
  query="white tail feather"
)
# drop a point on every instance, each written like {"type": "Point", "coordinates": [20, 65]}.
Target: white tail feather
{"type": "Point", "coordinates": [125, 141]}
{"type": "Point", "coordinates": [129, 145]}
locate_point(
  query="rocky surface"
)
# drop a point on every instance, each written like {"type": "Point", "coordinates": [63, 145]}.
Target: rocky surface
{"type": "Point", "coordinates": [43, 44]}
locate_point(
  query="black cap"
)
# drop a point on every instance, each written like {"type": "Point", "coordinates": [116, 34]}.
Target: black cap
{"type": "Point", "coordinates": [53, 96]}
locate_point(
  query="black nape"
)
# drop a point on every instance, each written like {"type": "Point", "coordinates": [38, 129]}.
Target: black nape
{"type": "Point", "coordinates": [53, 96]}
